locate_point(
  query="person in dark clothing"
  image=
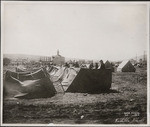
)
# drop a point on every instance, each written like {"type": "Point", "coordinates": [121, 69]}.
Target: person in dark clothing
{"type": "Point", "coordinates": [96, 65]}
{"type": "Point", "coordinates": [67, 65]}
{"type": "Point", "coordinates": [102, 64]}
{"type": "Point", "coordinates": [76, 64]}
{"type": "Point", "coordinates": [91, 66]}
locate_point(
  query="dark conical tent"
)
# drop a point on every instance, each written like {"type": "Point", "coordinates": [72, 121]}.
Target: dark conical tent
{"type": "Point", "coordinates": [108, 65]}
{"type": "Point", "coordinates": [88, 81]}
{"type": "Point", "coordinates": [126, 66]}
{"type": "Point", "coordinates": [40, 88]}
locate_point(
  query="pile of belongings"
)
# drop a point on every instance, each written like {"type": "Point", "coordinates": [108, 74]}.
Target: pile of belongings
{"type": "Point", "coordinates": [29, 84]}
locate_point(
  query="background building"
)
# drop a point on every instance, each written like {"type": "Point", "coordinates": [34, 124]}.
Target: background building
{"type": "Point", "coordinates": [58, 59]}
{"type": "Point", "coordinates": [45, 60]}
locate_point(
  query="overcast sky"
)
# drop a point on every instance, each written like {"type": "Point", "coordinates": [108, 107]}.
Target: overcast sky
{"type": "Point", "coordinates": [78, 30]}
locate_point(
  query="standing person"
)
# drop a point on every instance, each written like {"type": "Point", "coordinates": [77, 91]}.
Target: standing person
{"type": "Point", "coordinates": [91, 66]}
{"type": "Point", "coordinates": [67, 65]}
{"type": "Point", "coordinates": [96, 65]}
{"type": "Point", "coordinates": [76, 64]}
{"type": "Point", "coordinates": [102, 65]}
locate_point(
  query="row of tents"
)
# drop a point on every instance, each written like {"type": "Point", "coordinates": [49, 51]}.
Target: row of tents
{"type": "Point", "coordinates": [40, 83]}
{"type": "Point", "coordinates": [125, 66]}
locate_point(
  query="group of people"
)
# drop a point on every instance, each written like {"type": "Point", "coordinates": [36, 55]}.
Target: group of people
{"type": "Point", "coordinates": [76, 64]}
{"type": "Point", "coordinates": [97, 65]}
{"type": "Point", "coordinates": [101, 65]}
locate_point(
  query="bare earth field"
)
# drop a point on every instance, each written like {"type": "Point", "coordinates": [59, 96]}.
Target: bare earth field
{"type": "Point", "coordinates": [125, 103]}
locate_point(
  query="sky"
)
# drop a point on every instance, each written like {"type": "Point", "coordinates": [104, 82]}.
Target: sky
{"type": "Point", "coordinates": [79, 30]}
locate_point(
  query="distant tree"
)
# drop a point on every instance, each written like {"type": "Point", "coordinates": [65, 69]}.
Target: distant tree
{"type": "Point", "coordinates": [6, 61]}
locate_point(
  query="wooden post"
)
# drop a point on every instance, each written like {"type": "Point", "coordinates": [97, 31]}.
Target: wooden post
{"type": "Point", "coordinates": [62, 87]}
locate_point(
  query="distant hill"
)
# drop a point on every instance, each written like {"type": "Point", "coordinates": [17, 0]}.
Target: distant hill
{"type": "Point", "coordinates": [38, 57]}
{"type": "Point", "coordinates": [23, 56]}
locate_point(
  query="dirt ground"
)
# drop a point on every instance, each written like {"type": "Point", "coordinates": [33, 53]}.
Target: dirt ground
{"type": "Point", "coordinates": [125, 103]}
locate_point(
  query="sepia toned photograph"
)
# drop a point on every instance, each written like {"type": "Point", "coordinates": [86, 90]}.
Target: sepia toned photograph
{"type": "Point", "coordinates": [74, 63]}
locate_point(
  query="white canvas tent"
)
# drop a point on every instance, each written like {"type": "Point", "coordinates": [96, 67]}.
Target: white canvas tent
{"type": "Point", "coordinates": [126, 66]}
{"type": "Point", "coordinates": [69, 77]}
{"type": "Point", "coordinates": [59, 74]}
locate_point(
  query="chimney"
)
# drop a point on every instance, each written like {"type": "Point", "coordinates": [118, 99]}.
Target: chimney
{"type": "Point", "coordinates": [57, 52]}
